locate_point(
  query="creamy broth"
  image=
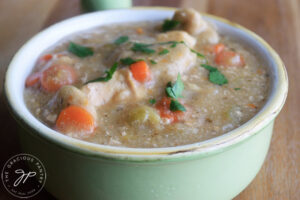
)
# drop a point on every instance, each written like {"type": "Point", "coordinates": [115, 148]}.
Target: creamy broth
{"type": "Point", "coordinates": [136, 112]}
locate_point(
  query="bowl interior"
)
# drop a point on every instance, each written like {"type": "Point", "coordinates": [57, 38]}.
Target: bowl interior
{"type": "Point", "coordinates": [23, 63]}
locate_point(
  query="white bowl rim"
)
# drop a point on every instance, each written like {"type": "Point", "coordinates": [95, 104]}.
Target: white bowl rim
{"type": "Point", "coordinates": [259, 121]}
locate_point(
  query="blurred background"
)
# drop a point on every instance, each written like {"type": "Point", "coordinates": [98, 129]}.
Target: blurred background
{"type": "Point", "coordinates": [277, 21]}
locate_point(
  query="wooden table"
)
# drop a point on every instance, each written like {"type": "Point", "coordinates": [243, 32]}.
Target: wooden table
{"type": "Point", "coordinates": [278, 22]}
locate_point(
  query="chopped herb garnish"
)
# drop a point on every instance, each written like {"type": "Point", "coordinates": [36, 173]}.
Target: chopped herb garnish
{"type": "Point", "coordinates": [80, 51]}
{"type": "Point", "coordinates": [237, 88]}
{"type": "Point", "coordinates": [215, 76]}
{"type": "Point", "coordinates": [209, 68]}
{"type": "Point", "coordinates": [163, 52]}
{"type": "Point", "coordinates": [173, 45]}
{"type": "Point", "coordinates": [121, 40]}
{"type": "Point", "coordinates": [176, 106]}
{"type": "Point", "coordinates": [152, 101]}
{"type": "Point", "coordinates": [198, 54]}
{"type": "Point", "coordinates": [169, 25]}
{"type": "Point", "coordinates": [153, 62]}
{"type": "Point", "coordinates": [129, 61]}
{"type": "Point", "coordinates": [109, 75]}
{"type": "Point", "coordinates": [175, 90]}
{"type": "Point", "coordinates": [144, 48]}
{"type": "Point", "coordinates": [141, 47]}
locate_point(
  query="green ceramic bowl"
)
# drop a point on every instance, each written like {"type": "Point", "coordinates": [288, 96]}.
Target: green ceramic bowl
{"type": "Point", "coordinates": [218, 168]}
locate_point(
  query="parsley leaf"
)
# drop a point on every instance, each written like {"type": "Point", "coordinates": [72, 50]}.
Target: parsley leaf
{"type": "Point", "coordinates": [169, 25]}
{"type": "Point", "coordinates": [163, 52]}
{"type": "Point", "coordinates": [237, 88]}
{"type": "Point", "coordinates": [141, 47]}
{"type": "Point", "coordinates": [128, 61]}
{"type": "Point", "coordinates": [176, 106]}
{"type": "Point", "coordinates": [152, 101]}
{"type": "Point", "coordinates": [172, 43]}
{"type": "Point", "coordinates": [169, 90]}
{"type": "Point", "coordinates": [215, 76]}
{"type": "Point", "coordinates": [153, 62]}
{"type": "Point", "coordinates": [209, 68]}
{"type": "Point", "coordinates": [175, 90]}
{"type": "Point", "coordinates": [109, 75]}
{"type": "Point", "coordinates": [121, 40]}
{"type": "Point", "coordinates": [80, 51]}
{"type": "Point", "coordinates": [197, 53]}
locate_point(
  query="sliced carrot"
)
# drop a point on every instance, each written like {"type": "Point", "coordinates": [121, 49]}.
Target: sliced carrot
{"type": "Point", "coordinates": [47, 57]}
{"type": "Point", "coordinates": [57, 76]}
{"type": "Point", "coordinates": [33, 79]}
{"type": "Point", "coordinates": [140, 71]}
{"type": "Point", "coordinates": [139, 31]}
{"type": "Point", "coordinates": [252, 105]}
{"type": "Point", "coordinates": [229, 58]}
{"type": "Point", "coordinates": [164, 110]}
{"type": "Point", "coordinates": [77, 120]}
{"type": "Point", "coordinates": [218, 48]}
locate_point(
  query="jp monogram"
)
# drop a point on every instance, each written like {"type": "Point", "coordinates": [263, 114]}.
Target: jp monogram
{"type": "Point", "coordinates": [23, 175]}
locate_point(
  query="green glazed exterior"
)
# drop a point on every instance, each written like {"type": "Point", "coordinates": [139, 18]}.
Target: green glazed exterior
{"type": "Point", "coordinates": [219, 168]}
{"type": "Point", "coordinates": [221, 175]}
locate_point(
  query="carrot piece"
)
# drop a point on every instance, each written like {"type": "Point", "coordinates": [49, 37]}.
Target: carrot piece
{"type": "Point", "coordinates": [164, 110]}
{"type": "Point", "coordinates": [33, 79]}
{"type": "Point", "coordinates": [139, 31]}
{"type": "Point", "coordinates": [140, 71]}
{"type": "Point", "coordinates": [47, 57]}
{"type": "Point", "coordinates": [218, 48]}
{"type": "Point", "coordinates": [252, 105]}
{"type": "Point", "coordinates": [229, 58]}
{"type": "Point", "coordinates": [57, 76]}
{"type": "Point", "coordinates": [75, 119]}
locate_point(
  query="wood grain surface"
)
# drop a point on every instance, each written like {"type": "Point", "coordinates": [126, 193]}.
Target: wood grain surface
{"type": "Point", "coordinates": [277, 21]}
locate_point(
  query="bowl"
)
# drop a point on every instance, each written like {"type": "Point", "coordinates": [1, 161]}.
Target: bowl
{"type": "Point", "coordinates": [219, 168]}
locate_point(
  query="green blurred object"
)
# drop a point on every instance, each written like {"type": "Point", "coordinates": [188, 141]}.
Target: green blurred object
{"type": "Point", "coordinates": [93, 5]}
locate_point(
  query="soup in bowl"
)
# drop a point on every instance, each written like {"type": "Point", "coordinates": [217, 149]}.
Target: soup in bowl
{"type": "Point", "coordinates": [149, 102]}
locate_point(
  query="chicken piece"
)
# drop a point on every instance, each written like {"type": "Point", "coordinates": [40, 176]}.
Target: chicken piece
{"type": "Point", "coordinates": [191, 21]}
{"type": "Point", "coordinates": [70, 95]}
{"type": "Point", "coordinates": [177, 36]}
{"type": "Point", "coordinates": [65, 59]}
{"type": "Point", "coordinates": [122, 87]}
{"type": "Point", "coordinates": [210, 36]}
{"type": "Point", "coordinates": [178, 60]}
